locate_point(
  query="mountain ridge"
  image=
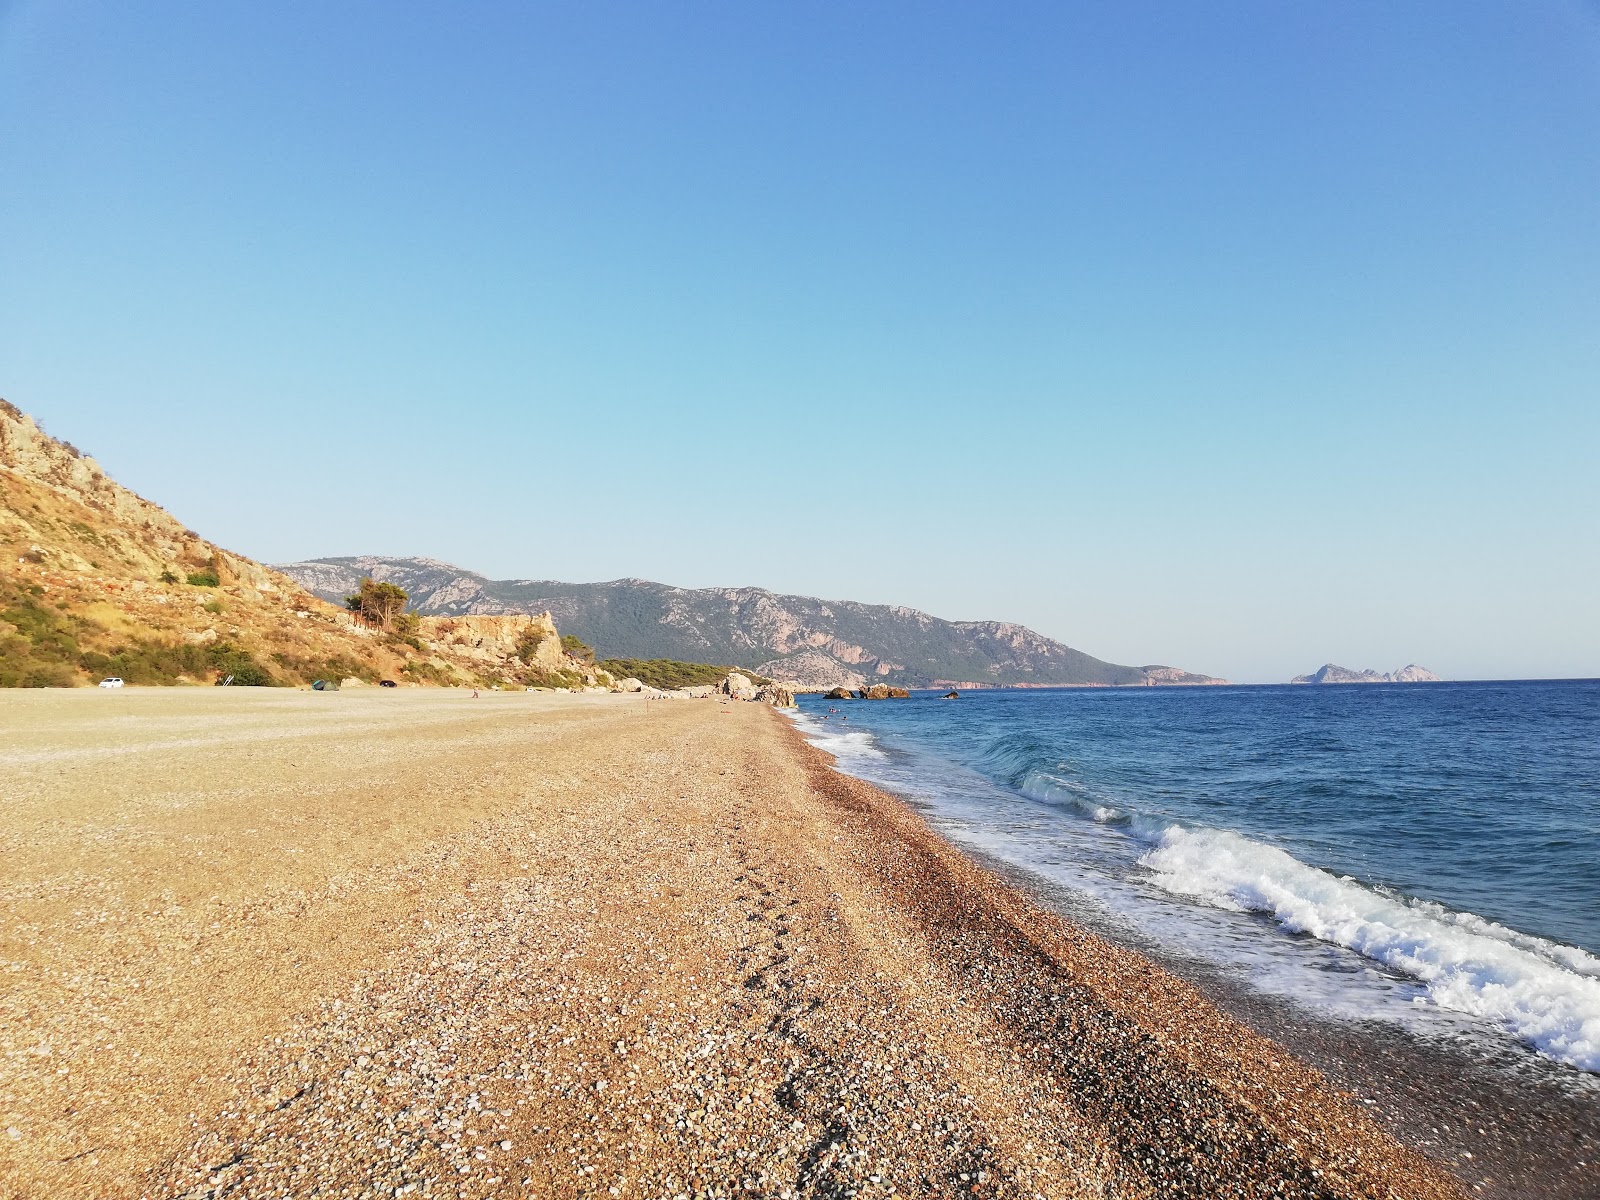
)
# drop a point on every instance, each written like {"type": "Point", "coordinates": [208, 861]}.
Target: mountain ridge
{"type": "Point", "coordinates": [801, 641]}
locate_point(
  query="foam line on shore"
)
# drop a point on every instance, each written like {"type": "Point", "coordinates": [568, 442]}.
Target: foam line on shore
{"type": "Point", "coordinates": [1543, 993]}
{"type": "Point", "coordinates": [1546, 994]}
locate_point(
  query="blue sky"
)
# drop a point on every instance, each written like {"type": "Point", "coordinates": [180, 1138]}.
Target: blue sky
{"type": "Point", "coordinates": [1241, 336]}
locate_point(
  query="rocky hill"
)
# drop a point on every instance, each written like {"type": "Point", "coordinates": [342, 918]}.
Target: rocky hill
{"type": "Point", "coordinates": [800, 641]}
{"type": "Point", "coordinates": [1330, 673]}
{"type": "Point", "coordinates": [95, 581]}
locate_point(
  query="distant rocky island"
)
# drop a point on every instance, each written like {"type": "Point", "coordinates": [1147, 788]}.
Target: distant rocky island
{"type": "Point", "coordinates": [1330, 673]}
{"type": "Point", "coordinates": [802, 642]}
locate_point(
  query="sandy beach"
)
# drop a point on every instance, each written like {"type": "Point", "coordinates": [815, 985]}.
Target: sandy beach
{"type": "Point", "coordinates": [282, 943]}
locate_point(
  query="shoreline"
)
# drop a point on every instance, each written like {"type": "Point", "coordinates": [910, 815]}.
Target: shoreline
{"type": "Point", "coordinates": [1530, 1126]}
{"type": "Point", "coordinates": [559, 945]}
{"type": "Point", "coordinates": [1503, 1119]}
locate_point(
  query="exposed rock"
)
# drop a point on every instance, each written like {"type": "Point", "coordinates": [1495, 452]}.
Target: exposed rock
{"type": "Point", "coordinates": [840, 693]}
{"type": "Point", "coordinates": [350, 681]}
{"type": "Point", "coordinates": [631, 684]}
{"type": "Point", "coordinates": [812, 670]}
{"type": "Point", "coordinates": [951, 696]}
{"type": "Point", "coordinates": [1157, 676]}
{"type": "Point", "coordinates": [882, 691]}
{"type": "Point", "coordinates": [1332, 673]}
{"type": "Point", "coordinates": [734, 683]}
{"type": "Point", "coordinates": [776, 695]}
{"type": "Point", "coordinates": [493, 640]}
{"type": "Point", "coordinates": [117, 566]}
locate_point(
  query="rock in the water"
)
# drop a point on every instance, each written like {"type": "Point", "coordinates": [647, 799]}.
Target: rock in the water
{"type": "Point", "coordinates": [1333, 673]}
{"type": "Point", "coordinates": [882, 691]}
{"type": "Point", "coordinates": [951, 696]}
{"type": "Point", "coordinates": [840, 693]}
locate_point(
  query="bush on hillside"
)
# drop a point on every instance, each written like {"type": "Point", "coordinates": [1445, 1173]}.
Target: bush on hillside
{"type": "Point", "coordinates": [306, 668]}
{"type": "Point", "coordinates": [578, 648]}
{"type": "Point", "coordinates": [202, 579]}
{"type": "Point", "coordinates": [427, 672]}
{"type": "Point", "coordinates": [38, 644]}
{"type": "Point", "coordinates": [246, 671]}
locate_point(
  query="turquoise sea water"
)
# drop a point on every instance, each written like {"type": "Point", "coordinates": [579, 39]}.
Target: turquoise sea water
{"type": "Point", "coordinates": [1424, 854]}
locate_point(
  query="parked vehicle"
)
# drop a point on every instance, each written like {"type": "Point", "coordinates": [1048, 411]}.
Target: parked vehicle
{"type": "Point", "coordinates": [111, 681]}
{"type": "Point", "coordinates": [387, 683]}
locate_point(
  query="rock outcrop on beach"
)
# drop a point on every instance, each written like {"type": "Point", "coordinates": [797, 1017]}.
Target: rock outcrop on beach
{"type": "Point", "coordinates": [801, 641]}
{"type": "Point", "coordinates": [96, 580]}
{"type": "Point", "coordinates": [1331, 673]}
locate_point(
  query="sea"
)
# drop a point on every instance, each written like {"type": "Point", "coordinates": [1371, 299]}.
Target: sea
{"type": "Point", "coordinates": [1423, 858]}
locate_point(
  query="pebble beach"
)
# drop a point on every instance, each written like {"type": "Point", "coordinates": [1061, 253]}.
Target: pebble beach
{"type": "Point", "coordinates": [264, 943]}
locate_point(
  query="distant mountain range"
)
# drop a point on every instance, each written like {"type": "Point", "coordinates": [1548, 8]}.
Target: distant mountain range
{"type": "Point", "coordinates": [798, 640]}
{"type": "Point", "coordinates": [1329, 673]}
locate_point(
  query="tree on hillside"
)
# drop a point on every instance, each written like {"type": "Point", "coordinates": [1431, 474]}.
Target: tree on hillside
{"type": "Point", "coordinates": [578, 648]}
{"type": "Point", "coordinates": [381, 605]}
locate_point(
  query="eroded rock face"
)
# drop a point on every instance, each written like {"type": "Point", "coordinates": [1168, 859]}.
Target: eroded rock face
{"type": "Point", "coordinates": [776, 695]}
{"type": "Point", "coordinates": [882, 691]}
{"type": "Point", "coordinates": [492, 640]}
{"type": "Point", "coordinates": [840, 693]}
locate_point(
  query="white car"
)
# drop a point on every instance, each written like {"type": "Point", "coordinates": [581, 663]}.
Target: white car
{"type": "Point", "coordinates": [111, 681]}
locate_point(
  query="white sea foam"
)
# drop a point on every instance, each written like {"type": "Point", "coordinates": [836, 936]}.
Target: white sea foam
{"type": "Point", "coordinates": [844, 744]}
{"type": "Point", "coordinates": [1545, 994]}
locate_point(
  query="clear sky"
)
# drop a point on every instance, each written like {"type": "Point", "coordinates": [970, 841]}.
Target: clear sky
{"type": "Point", "coordinates": [1241, 336]}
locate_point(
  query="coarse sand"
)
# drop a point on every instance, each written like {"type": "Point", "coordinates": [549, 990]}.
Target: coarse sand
{"type": "Point", "coordinates": [273, 943]}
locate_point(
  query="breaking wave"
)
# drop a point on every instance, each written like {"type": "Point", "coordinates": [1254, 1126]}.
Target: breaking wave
{"type": "Point", "coordinates": [1544, 993]}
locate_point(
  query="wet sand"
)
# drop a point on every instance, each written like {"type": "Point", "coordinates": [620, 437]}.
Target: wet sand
{"type": "Point", "coordinates": [265, 943]}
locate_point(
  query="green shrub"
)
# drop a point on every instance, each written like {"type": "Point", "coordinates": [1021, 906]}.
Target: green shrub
{"type": "Point", "coordinates": [202, 579]}
{"type": "Point", "coordinates": [228, 660]}
{"type": "Point", "coordinates": [38, 643]}
{"type": "Point", "coordinates": [578, 648]}
{"type": "Point", "coordinates": [427, 672]}
{"type": "Point", "coordinates": [553, 679]}
{"type": "Point", "coordinates": [168, 577]}
{"type": "Point", "coordinates": [49, 676]}
{"type": "Point", "coordinates": [333, 668]}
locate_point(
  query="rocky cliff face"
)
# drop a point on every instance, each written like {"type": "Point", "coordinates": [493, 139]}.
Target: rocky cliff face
{"type": "Point", "coordinates": [1330, 673]}
{"type": "Point", "coordinates": [800, 641]}
{"type": "Point", "coordinates": [96, 580]}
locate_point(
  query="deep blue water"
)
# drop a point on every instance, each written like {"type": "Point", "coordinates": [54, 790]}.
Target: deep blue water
{"type": "Point", "coordinates": [1417, 852]}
